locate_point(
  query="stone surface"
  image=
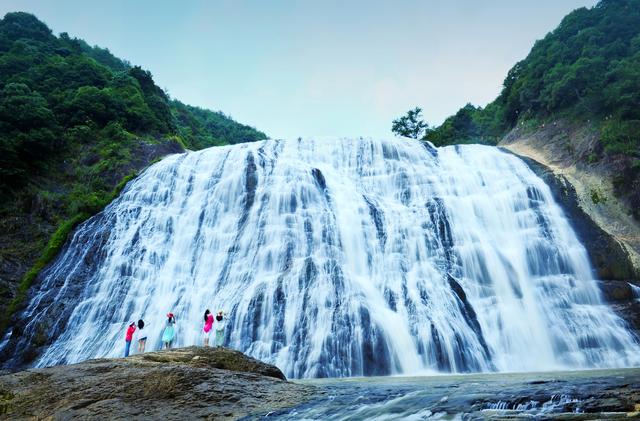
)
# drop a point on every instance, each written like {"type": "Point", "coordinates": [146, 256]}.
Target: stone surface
{"type": "Point", "coordinates": [608, 256]}
{"type": "Point", "coordinates": [179, 384]}
{"type": "Point", "coordinates": [569, 395]}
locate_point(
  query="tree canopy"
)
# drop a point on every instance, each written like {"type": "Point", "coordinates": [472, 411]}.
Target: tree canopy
{"type": "Point", "coordinates": [52, 89]}
{"type": "Point", "coordinates": [410, 125]}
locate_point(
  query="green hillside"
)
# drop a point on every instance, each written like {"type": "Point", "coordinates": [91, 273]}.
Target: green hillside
{"type": "Point", "coordinates": [199, 128]}
{"type": "Point", "coordinates": [588, 68]}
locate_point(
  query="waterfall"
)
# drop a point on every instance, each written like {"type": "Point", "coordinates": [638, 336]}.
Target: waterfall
{"type": "Point", "coordinates": [337, 257]}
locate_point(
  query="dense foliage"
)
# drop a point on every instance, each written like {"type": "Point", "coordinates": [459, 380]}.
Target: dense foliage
{"type": "Point", "coordinates": [469, 125]}
{"type": "Point", "coordinates": [200, 128]}
{"type": "Point", "coordinates": [588, 69]}
{"type": "Point", "coordinates": [57, 93]}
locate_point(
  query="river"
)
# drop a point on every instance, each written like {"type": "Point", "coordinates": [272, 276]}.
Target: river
{"type": "Point", "coordinates": [586, 394]}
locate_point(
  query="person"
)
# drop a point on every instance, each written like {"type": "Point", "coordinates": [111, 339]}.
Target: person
{"type": "Point", "coordinates": [169, 331]}
{"type": "Point", "coordinates": [142, 337]}
{"type": "Point", "coordinates": [128, 338]}
{"type": "Point", "coordinates": [220, 322]}
{"type": "Point", "coordinates": [208, 324]}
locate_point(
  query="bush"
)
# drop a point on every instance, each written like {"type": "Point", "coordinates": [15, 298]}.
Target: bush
{"type": "Point", "coordinates": [597, 196]}
{"type": "Point", "coordinates": [622, 137]}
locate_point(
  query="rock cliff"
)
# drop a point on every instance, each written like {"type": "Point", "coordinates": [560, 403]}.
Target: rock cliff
{"type": "Point", "coordinates": [559, 153]}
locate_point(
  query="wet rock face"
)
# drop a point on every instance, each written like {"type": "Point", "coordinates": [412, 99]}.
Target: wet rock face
{"type": "Point", "coordinates": [611, 262]}
{"type": "Point", "coordinates": [608, 257]}
{"type": "Point", "coordinates": [186, 383]}
{"type": "Point", "coordinates": [9, 269]}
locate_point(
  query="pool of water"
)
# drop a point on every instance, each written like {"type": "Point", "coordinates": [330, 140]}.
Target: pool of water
{"type": "Point", "coordinates": [601, 394]}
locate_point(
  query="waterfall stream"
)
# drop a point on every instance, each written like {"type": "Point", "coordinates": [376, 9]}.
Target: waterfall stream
{"type": "Point", "coordinates": [337, 257]}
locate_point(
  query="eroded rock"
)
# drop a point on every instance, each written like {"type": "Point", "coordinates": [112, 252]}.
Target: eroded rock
{"type": "Point", "coordinates": [186, 383]}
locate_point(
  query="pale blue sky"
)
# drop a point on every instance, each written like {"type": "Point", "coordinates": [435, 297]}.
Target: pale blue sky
{"type": "Point", "coordinates": [324, 67]}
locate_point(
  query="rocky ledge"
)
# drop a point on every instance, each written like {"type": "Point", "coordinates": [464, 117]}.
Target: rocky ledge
{"type": "Point", "coordinates": [185, 383]}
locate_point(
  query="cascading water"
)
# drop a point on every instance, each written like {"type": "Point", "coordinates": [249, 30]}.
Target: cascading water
{"type": "Point", "coordinates": [337, 257]}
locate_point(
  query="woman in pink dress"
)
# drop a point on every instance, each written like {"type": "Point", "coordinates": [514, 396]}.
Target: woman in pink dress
{"type": "Point", "coordinates": [208, 326]}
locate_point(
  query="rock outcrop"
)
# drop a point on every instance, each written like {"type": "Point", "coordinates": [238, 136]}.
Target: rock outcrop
{"type": "Point", "coordinates": [559, 154]}
{"type": "Point", "coordinates": [571, 151]}
{"type": "Point", "coordinates": [179, 384]}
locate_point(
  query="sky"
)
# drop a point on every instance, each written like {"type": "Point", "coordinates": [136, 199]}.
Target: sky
{"type": "Point", "coordinates": [315, 68]}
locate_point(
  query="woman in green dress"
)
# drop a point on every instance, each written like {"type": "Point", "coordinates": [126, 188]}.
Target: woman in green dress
{"type": "Point", "coordinates": [169, 331]}
{"type": "Point", "coordinates": [219, 325]}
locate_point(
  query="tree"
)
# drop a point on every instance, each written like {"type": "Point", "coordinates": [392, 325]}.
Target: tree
{"type": "Point", "coordinates": [27, 132]}
{"type": "Point", "coordinates": [410, 125]}
{"type": "Point", "coordinates": [18, 25]}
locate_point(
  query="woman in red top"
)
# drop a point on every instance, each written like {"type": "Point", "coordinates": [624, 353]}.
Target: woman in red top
{"type": "Point", "coordinates": [129, 337]}
{"type": "Point", "coordinates": [208, 326]}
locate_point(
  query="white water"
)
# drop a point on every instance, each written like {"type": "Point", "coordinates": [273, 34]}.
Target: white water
{"type": "Point", "coordinates": [340, 257]}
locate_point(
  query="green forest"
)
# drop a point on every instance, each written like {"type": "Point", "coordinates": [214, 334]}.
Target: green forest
{"type": "Point", "coordinates": [76, 123]}
{"type": "Point", "coordinates": [58, 93]}
{"type": "Point", "coordinates": [588, 68]}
